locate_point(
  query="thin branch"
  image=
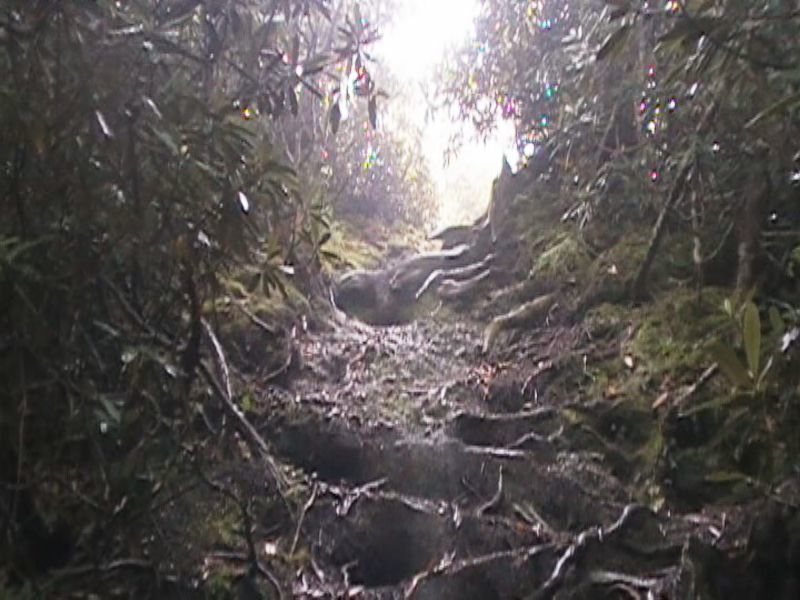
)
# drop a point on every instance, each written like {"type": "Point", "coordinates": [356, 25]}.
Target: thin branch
{"type": "Point", "coordinates": [705, 376]}
{"type": "Point", "coordinates": [496, 499]}
{"type": "Point", "coordinates": [306, 507]}
{"type": "Point", "coordinates": [676, 194]}
{"type": "Point", "coordinates": [223, 364]}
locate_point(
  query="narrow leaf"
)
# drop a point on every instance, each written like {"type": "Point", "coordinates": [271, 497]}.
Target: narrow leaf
{"type": "Point", "coordinates": [789, 339]}
{"type": "Point", "coordinates": [727, 477]}
{"type": "Point", "coordinates": [729, 363]}
{"type": "Point", "coordinates": [167, 140]}
{"type": "Point", "coordinates": [762, 377]}
{"type": "Point", "coordinates": [752, 337]}
{"type": "Point", "coordinates": [324, 238]}
{"type": "Point", "coordinates": [714, 404]}
{"type": "Point", "coordinates": [776, 321]}
{"type": "Point", "coordinates": [727, 306]}
{"type": "Point", "coordinates": [152, 106]}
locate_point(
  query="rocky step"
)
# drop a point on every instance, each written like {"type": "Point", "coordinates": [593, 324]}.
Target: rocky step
{"type": "Point", "coordinates": [372, 543]}
{"type": "Point", "coordinates": [453, 516]}
{"type": "Point", "coordinates": [563, 493]}
{"type": "Point", "coordinates": [376, 538]}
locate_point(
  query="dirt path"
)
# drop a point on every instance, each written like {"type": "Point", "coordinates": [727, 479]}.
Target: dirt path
{"type": "Point", "coordinates": [438, 474]}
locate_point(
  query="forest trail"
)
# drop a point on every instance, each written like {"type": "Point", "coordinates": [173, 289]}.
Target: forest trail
{"type": "Point", "coordinates": [590, 391]}
{"type": "Point", "coordinates": [440, 474]}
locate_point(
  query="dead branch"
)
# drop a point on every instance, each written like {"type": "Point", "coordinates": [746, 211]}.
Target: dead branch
{"type": "Point", "coordinates": [223, 364]}
{"type": "Point", "coordinates": [251, 435]}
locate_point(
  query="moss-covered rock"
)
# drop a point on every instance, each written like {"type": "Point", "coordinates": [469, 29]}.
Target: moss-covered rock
{"type": "Point", "coordinates": [610, 274]}
{"type": "Point", "coordinates": [566, 258]}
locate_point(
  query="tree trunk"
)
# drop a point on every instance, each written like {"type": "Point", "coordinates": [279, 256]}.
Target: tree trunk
{"type": "Point", "coordinates": [749, 222]}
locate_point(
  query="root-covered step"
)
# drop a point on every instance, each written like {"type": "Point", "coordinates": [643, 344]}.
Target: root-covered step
{"type": "Point", "coordinates": [435, 474]}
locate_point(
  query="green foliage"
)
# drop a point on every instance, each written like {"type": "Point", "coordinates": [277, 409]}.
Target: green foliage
{"type": "Point", "coordinates": [142, 165]}
{"type": "Point", "coordinates": [353, 159]}
{"type": "Point", "coordinates": [752, 373]}
{"type": "Point", "coordinates": [638, 104]}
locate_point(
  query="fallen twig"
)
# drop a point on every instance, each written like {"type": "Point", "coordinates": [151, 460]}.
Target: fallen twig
{"type": "Point", "coordinates": [542, 367]}
{"type": "Point", "coordinates": [255, 319]}
{"type": "Point", "coordinates": [114, 565]}
{"type": "Point", "coordinates": [495, 500]}
{"type": "Point", "coordinates": [701, 381]}
{"type": "Point", "coordinates": [306, 507]}
{"type": "Point", "coordinates": [451, 567]}
{"type": "Point", "coordinates": [577, 550]}
{"type": "Point", "coordinates": [281, 369]}
{"type": "Point", "coordinates": [251, 435]}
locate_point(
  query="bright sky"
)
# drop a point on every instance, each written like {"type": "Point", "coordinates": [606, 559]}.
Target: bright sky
{"type": "Point", "coordinates": [417, 40]}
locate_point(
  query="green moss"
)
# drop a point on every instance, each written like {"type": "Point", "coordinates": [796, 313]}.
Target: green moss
{"type": "Point", "coordinates": [367, 244]}
{"type": "Point", "coordinates": [566, 258]}
{"type": "Point", "coordinates": [610, 274]}
{"type": "Point", "coordinates": [623, 258]}
{"type": "Point", "coordinates": [607, 319]}
{"type": "Point", "coordinates": [346, 249]}
{"type": "Point", "coordinates": [673, 331]}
